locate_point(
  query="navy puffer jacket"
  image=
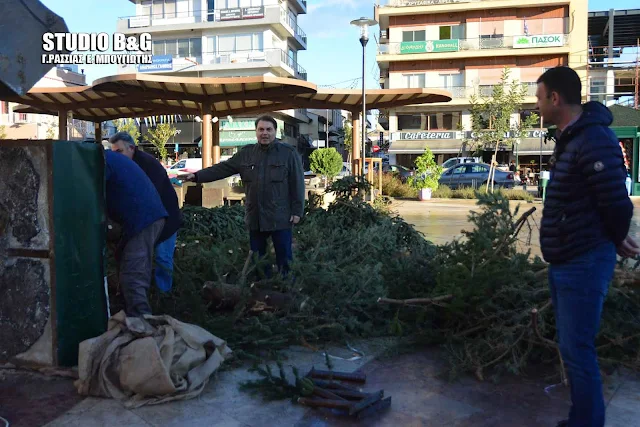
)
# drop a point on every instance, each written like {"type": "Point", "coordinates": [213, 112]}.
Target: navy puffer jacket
{"type": "Point", "coordinates": [586, 201]}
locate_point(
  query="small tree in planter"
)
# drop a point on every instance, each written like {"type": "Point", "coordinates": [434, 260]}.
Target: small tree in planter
{"type": "Point", "coordinates": [326, 162]}
{"type": "Point", "coordinates": [427, 175]}
{"type": "Point", "coordinates": [159, 136]}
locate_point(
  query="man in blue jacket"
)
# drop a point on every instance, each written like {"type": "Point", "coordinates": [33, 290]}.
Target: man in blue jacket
{"type": "Point", "coordinates": [585, 221]}
{"type": "Point", "coordinates": [123, 143]}
{"type": "Point", "coordinates": [133, 203]}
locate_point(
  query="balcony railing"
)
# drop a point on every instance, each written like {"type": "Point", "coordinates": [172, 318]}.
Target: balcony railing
{"type": "Point", "coordinates": [462, 45]}
{"type": "Point", "coordinates": [465, 92]}
{"type": "Point", "coordinates": [273, 57]}
{"type": "Point", "coordinates": [214, 15]}
{"type": "Point", "coordinates": [300, 72]}
{"type": "Point", "coordinates": [407, 3]}
{"type": "Point", "coordinates": [291, 22]}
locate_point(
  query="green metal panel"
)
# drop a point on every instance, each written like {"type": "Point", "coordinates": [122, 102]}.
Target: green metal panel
{"type": "Point", "coordinates": [626, 131]}
{"type": "Point", "coordinates": [79, 227]}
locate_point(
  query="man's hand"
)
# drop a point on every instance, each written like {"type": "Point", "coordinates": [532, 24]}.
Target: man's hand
{"type": "Point", "coordinates": [628, 248]}
{"type": "Point", "coordinates": [189, 177]}
{"type": "Point", "coordinates": [294, 219]}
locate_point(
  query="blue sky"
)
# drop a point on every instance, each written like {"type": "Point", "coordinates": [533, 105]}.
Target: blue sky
{"type": "Point", "coordinates": [334, 52]}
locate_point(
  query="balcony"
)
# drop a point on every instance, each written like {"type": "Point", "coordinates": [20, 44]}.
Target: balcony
{"type": "Point", "coordinates": [300, 6]}
{"type": "Point", "coordinates": [284, 24]}
{"type": "Point", "coordinates": [266, 58]}
{"type": "Point", "coordinates": [470, 4]}
{"type": "Point", "coordinates": [466, 92]}
{"type": "Point", "coordinates": [299, 36]}
{"type": "Point", "coordinates": [456, 46]}
{"type": "Point", "coordinates": [410, 3]}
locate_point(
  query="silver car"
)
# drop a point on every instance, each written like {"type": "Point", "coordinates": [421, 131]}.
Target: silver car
{"type": "Point", "coordinates": [474, 175]}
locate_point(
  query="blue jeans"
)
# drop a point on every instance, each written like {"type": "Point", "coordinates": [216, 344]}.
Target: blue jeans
{"type": "Point", "coordinates": [164, 263]}
{"type": "Point", "coordinates": [282, 240]}
{"type": "Point", "coordinates": [578, 289]}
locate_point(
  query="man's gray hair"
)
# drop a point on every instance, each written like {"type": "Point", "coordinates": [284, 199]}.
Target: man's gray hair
{"type": "Point", "coordinates": [124, 137]}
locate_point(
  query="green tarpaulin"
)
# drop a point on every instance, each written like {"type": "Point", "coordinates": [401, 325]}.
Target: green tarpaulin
{"type": "Point", "coordinates": [79, 225]}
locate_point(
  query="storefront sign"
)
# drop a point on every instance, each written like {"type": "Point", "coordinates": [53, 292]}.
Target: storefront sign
{"type": "Point", "coordinates": [551, 40]}
{"type": "Point", "coordinates": [158, 63]}
{"type": "Point", "coordinates": [253, 12]}
{"type": "Point", "coordinates": [230, 14]}
{"type": "Point", "coordinates": [430, 46]}
{"type": "Point", "coordinates": [237, 138]}
{"type": "Point", "coordinates": [237, 125]}
{"type": "Point", "coordinates": [427, 135]}
{"type": "Point", "coordinates": [525, 134]}
{"type": "Point", "coordinates": [248, 125]}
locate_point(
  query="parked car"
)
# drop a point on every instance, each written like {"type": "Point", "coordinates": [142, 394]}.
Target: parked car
{"type": "Point", "coordinates": [185, 166]}
{"type": "Point", "coordinates": [402, 172]}
{"type": "Point", "coordinates": [474, 175]}
{"type": "Point", "coordinates": [457, 160]}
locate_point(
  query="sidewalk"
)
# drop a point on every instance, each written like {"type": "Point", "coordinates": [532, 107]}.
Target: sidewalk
{"type": "Point", "coordinates": [421, 395]}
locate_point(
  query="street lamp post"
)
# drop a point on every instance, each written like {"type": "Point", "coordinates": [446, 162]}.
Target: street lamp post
{"type": "Point", "coordinates": [364, 24]}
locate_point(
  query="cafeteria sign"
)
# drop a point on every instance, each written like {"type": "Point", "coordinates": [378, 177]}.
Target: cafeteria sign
{"type": "Point", "coordinates": [430, 46]}
{"type": "Point", "coordinates": [551, 40]}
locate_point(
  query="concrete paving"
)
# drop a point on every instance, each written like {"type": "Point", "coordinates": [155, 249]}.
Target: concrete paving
{"type": "Point", "coordinates": [421, 396]}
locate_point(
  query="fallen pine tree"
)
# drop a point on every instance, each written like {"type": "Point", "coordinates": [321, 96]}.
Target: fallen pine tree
{"type": "Point", "coordinates": [359, 271]}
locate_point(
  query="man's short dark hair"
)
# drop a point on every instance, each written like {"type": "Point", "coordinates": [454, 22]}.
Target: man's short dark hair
{"type": "Point", "coordinates": [124, 137]}
{"type": "Point", "coordinates": [267, 119]}
{"type": "Point", "coordinates": [565, 82]}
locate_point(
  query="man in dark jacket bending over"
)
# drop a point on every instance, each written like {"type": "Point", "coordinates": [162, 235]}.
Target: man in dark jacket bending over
{"type": "Point", "coordinates": [133, 203]}
{"type": "Point", "coordinates": [274, 189]}
{"type": "Point", "coordinates": [122, 143]}
{"type": "Point", "coordinates": [585, 221]}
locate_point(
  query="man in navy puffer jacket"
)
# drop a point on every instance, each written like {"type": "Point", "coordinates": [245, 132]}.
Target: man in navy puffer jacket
{"type": "Point", "coordinates": [586, 218]}
{"type": "Point", "coordinates": [134, 203]}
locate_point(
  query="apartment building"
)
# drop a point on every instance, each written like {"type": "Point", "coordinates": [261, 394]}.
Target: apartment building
{"type": "Point", "coordinates": [224, 38]}
{"type": "Point", "coordinates": [41, 126]}
{"type": "Point", "coordinates": [463, 46]}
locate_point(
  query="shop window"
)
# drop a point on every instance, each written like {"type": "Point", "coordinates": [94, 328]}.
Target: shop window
{"type": "Point", "coordinates": [411, 122]}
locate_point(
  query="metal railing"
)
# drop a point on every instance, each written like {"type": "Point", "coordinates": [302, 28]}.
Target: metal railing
{"type": "Point", "coordinates": [461, 45]}
{"type": "Point", "coordinates": [465, 92]}
{"type": "Point", "coordinates": [408, 3]}
{"type": "Point", "coordinates": [275, 57]}
{"type": "Point", "coordinates": [206, 15]}
{"type": "Point", "coordinates": [300, 72]}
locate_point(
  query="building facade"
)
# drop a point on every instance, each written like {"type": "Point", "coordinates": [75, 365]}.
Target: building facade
{"type": "Point", "coordinates": [613, 77]}
{"type": "Point", "coordinates": [224, 38]}
{"type": "Point", "coordinates": [463, 46]}
{"type": "Point", "coordinates": [41, 126]}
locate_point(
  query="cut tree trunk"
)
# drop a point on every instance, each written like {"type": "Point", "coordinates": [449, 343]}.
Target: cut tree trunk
{"type": "Point", "coordinates": [226, 296]}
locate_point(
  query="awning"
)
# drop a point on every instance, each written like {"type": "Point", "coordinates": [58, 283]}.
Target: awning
{"type": "Point", "coordinates": [531, 146]}
{"type": "Point", "coordinates": [437, 146]}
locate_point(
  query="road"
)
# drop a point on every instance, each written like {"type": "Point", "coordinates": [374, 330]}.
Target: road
{"type": "Point", "coordinates": [442, 220]}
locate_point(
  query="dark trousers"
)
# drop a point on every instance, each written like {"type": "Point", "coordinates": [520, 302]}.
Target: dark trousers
{"type": "Point", "coordinates": [578, 289]}
{"type": "Point", "coordinates": [136, 267]}
{"type": "Point", "coordinates": [281, 243]}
